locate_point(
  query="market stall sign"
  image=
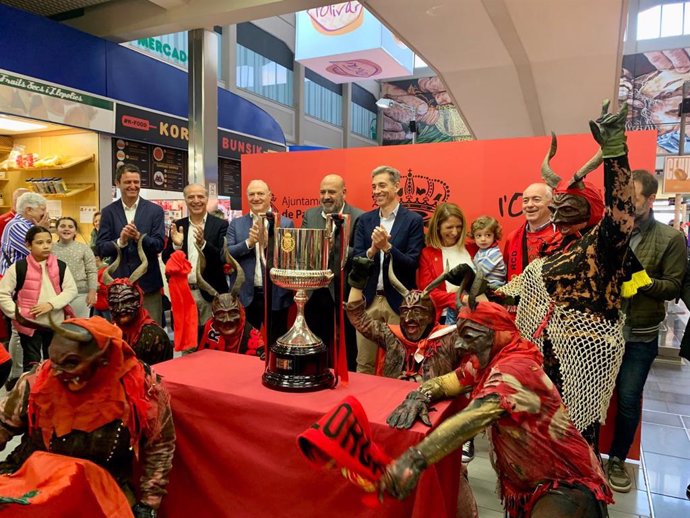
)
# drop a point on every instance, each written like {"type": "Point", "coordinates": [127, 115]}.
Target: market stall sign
{"type": "Point", "coordinates": [155, 128]}
{"type": "Point", "coordinates": [28, 97]}
{"type": "Point", "coordinates": [163, 48]}
{"type": "Point", "coordinates": [345, 43]}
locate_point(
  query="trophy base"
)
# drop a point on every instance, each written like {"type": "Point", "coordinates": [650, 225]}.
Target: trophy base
{"type": "Point", "coordinates": [298, 368]}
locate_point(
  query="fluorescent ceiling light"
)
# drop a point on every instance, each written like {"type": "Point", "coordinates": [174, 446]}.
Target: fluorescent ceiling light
{"type": "Point", "coordinates": [9, 124]}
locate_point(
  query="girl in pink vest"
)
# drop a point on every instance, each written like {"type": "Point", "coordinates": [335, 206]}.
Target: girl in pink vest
{"type": "Point", "coordinates": [36, 287]}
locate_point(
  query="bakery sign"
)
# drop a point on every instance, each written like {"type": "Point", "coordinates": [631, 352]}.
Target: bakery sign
{"type": "Point", "coordinates": [346, 43]}
{"type": "Point", "coordinates": [677, 174]}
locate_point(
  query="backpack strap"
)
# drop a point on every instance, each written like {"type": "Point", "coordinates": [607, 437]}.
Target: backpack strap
{"type": "Point", "coordinates": [20, 269]}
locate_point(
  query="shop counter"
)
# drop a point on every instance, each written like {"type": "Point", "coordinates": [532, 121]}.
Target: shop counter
{"type": "Point", "coordinates": [237, 453]}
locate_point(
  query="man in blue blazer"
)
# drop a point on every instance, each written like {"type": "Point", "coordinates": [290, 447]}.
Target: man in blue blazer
{"type": "Point", "coordinates": [243, 243]}
{"type": "Point", "coordinates": [389, 231]}
{"type": "Point", "coordinates": [123, 222]}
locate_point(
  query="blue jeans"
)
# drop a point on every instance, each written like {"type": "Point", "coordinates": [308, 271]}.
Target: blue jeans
{"type": "Point", "coordinates": [637, 361]}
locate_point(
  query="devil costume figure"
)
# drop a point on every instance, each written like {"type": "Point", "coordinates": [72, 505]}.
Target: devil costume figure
{"type": "Point", "coordinates": [569, 302]}
{"type": "Point", "coordinates": [228, 329]}
{"type": "Point", "coordinates": [545, 467]}
{"type": "Point", "coordinates": [417, 349]}
{"type": "Point", "coordinates": [125, 299]}
{"type": "Point", "coordinates": [92, 400]}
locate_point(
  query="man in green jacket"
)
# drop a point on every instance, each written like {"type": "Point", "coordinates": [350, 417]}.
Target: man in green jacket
{"type": "Point", "coordinates": [662, 251]}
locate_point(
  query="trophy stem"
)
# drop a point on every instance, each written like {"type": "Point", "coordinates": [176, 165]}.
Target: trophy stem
{"type": "Point", "coordinates": [299, 335]}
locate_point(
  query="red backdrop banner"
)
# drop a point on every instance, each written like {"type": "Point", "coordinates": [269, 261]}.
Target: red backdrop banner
{"type": "Point", "coordinates": [482, 177]}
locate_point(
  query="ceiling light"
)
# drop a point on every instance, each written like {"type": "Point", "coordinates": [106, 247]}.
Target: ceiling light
{"type": "Point", "coordinates": [9, 124]}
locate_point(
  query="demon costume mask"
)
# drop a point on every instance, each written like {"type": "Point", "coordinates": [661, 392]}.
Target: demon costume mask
{"type": "Point", "coordinates": [126, 302]}
{"type": "Point", "coordinates": [576, 202]}
{"type": "Point", "coordinates": [228, 329]}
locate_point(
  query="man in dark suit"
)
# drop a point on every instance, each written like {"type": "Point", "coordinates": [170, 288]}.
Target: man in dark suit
{"type": "Point", "coordinates": [322, 304]}
{"type": "Point", "coordinates": [123, 222]}
{"type": "Point", "coordinates": [244, 243]}
{"type": "Point", "coordinates": [389, 231]}
{"type": "Point", "coordinates": [207, 232]}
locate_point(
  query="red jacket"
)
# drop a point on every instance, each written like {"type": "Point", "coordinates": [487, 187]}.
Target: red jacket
{"type": "Point", "coordinates": [430, 267]}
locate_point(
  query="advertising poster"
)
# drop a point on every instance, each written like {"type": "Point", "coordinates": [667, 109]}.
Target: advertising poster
{"type": "Point", "coordinates": [483, 177]}
{"type": "Point", "coordinates": [652, 85]}
{"type": "Point", "coordinates": [677, 174]}
{"type": "Point", "coordinates": [428, 101]}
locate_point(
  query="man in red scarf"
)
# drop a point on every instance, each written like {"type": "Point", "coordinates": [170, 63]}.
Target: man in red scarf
{"type": "Point", "coordinates": [545, 467]}
{"type": "Point", "coordinates": [93, 400]}
{"type": "Point", "coordinates": [525, 243]}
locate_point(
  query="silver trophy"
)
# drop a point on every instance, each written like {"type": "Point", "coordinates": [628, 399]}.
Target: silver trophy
{"type": "Point", "coordinates": [299, 360]}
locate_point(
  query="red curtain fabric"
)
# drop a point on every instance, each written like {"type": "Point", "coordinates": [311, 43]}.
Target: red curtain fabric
{"type": "Point", "coordinates": [62, 486]}
{"type": "Point", "coordinates": [186, 318]}
{"type": "Point", "coordinates": [237, 451]}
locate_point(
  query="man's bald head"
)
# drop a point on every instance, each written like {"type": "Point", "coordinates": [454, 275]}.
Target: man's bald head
{"type": "Point", "coordinates": [332, 193]}
{"type": "Point", "coordinates": [259, 196]}
{"type": "Point", "coordinates": [536, 199]}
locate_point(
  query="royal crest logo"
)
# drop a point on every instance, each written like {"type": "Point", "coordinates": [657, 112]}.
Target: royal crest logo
{"type": "Point", "coordinates": [287, 244]}
{"type": "Point", "coordinates": [422, 193]}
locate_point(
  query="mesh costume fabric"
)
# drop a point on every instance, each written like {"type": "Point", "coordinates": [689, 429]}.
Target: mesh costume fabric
{"type": "Point", "coordinates": [589, 347]}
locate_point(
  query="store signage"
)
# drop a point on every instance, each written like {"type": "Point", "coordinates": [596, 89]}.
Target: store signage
{"type": "Point", "coordinates": [155, 128]}
{"type": "Point", "coordinates": [163, 48]}
{"type": "Point", "coordinates": [28, 97]}
{"type": "Point", "coordinates": [677, 174]}
{"type": "Point", "coordinates": [346, 43]}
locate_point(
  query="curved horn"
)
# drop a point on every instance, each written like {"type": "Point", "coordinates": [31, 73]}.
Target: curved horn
{"type": "Point", "coordinates": [239, 280]}
{"type": "Point", "coordinates": [23, 321]}
{"type": "Point", "coordinates": [76, 336]}
{"type": "Point", "coordinates": [200, 267]}
{"type": "Point", "coordinates": [399, 287]}
{"type": "Point", "coordinates": [590, 166]}
{"type": "Point", "coordinates": [110, 270]}
{"type": "Point", "coordinates": [141, 269]}
{"type": "Point", "coordinates": [434, 284]}
{"type": "Point", "coordinates": [479, 286]}
{"type": "Point", "coordinates": [548, 174]}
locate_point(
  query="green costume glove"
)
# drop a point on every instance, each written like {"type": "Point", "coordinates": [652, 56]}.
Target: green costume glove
{"type": "Point", "coordinates": [359, 274]}
{"type": "Point", "coordinates": [609, 131]}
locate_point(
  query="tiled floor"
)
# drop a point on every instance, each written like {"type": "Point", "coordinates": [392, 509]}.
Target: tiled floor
{"type": "Point", "coordinates": [660, 482]}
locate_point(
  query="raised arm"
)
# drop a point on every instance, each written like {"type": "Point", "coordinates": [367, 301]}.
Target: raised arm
{"type": "Point", "coordinates": [403, 473]}
{"type": "Point", "coordinates": [619, 218]}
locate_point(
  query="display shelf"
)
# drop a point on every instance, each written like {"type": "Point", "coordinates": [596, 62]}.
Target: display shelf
{"type": "Point", "coordinates": [72, 190]}
{"type": "Point", "coordinates": [68, 162]}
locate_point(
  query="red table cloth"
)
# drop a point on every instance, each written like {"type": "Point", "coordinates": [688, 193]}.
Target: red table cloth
{"type": "Point", "coordinates": [237, 453]}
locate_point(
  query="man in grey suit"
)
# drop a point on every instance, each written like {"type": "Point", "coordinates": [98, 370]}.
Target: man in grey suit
{"type": "Point", "coordinates": [321, 306]}
{"type": "Point", "coordinates": [244, 244]}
